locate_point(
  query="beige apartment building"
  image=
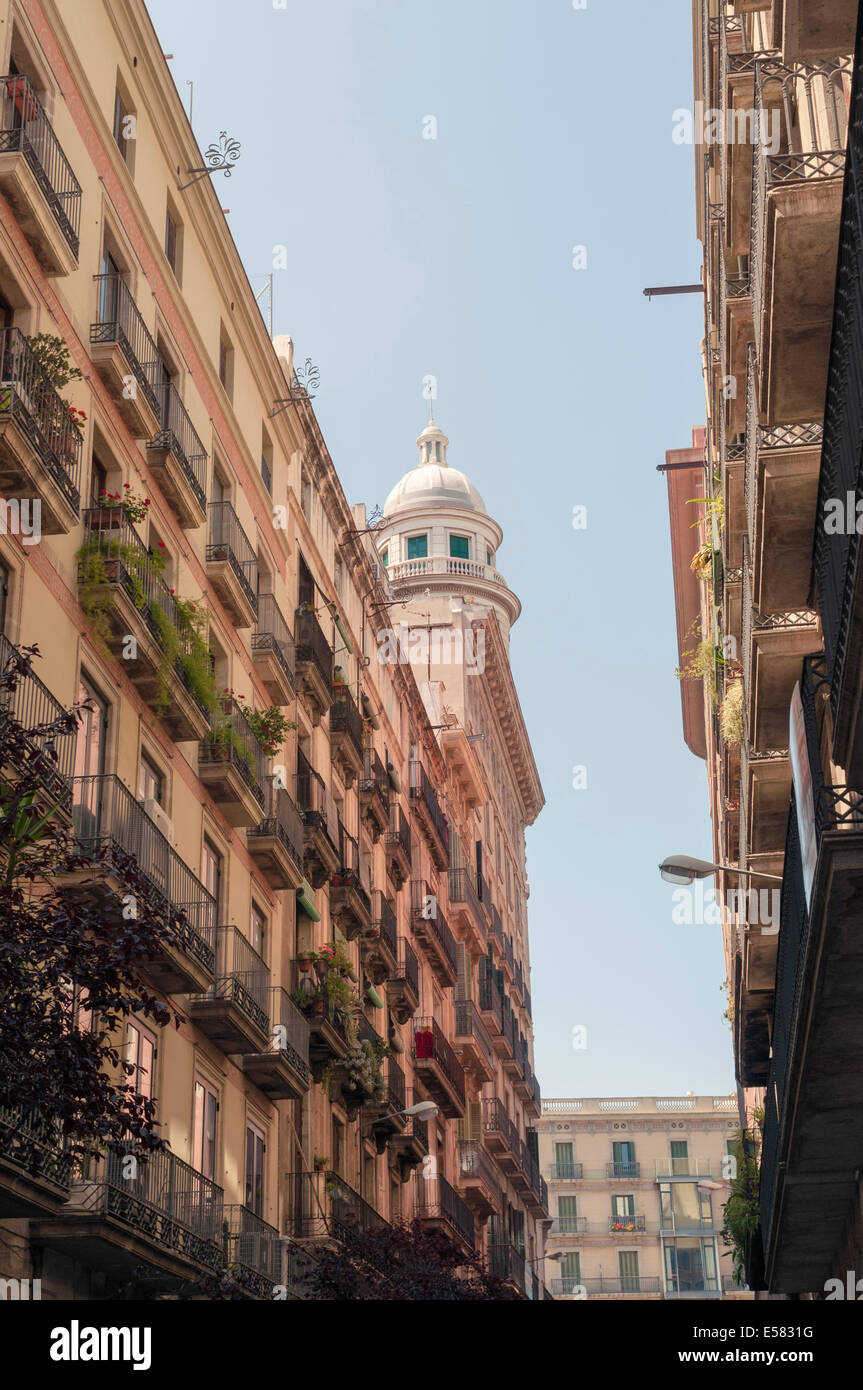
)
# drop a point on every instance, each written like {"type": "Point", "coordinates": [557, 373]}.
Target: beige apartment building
{"type": "Point", "coordinates": [777, 608]}
{"type": "Point", "coordinates": [373, 854]}
{"type": "Point", "coordinates": [637, 1185]}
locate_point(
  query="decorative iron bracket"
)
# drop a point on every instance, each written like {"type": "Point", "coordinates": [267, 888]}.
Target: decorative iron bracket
{"type": "Point", "coordinates": [221, 159]}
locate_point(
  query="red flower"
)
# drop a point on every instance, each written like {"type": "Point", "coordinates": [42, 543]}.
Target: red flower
{"type": "Point", "coordinates": [127, 485]}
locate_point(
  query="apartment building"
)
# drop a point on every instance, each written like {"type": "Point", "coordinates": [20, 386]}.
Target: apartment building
{"type": "Point", "coordinates": [779, 222]}
{"type": "Point", "coordinates": [202, 582]}
{"type": "Point", "coordinates": [637, 1186]}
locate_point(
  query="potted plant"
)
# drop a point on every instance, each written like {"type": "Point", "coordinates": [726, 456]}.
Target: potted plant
{"type": "Point", "coordinates": [320, 1163]}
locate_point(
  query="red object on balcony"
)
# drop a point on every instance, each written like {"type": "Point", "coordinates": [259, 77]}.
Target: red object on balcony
{"type": "Point", "coordinates": [424, 1040]}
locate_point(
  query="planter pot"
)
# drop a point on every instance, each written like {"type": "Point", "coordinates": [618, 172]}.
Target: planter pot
{"type": "Point", "coordinates": [304, 962]}
{"type": "Point", "coordinates": [317, 1009]}
{"type": "Point", "coordinates": [107, 518]}
{"type": "Point", "coordinates": [373, 997]}
{"type": "Point", "coordinates": [321, 968]}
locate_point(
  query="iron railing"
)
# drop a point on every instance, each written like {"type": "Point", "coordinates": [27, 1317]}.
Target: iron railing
{"type": "Point", "coordinates": [437, 1199]}
{"type": "Point", "coordinates": [283, 821]}
{"type": "Point", "coordinates": [569, 1225]}
{"type": "Point", "coordinates": [28, 398]}
{"type": "Point", "coordinates": [232, 740]}
{"type": "Point", "coordinates": [385, 920]}
{"type": "Point", "coordinates": [507, 1262]}
{"type": "Point", "coordinates": [394, 1080]}
{"type": "Point", "coordinates": [474, 1161]}
{"type": "Point", "coordinates": [25, 128]}
{"type": "Point", "coordinates": [313, 646]}
{"type": "Point", "coordinates": [423, 792]}
{"type": "Point", "coordinates": [272, 634]}
{"type": "Point", "coordinates": [254, 1247]}
{"type": "Point", "coordinates": [431, 1045]}
{"type": "Point", "coordinates": [619, 1169]}
{"type": "Point", "coordinates": [35, 709]}
{"type": "Point", "coordinates": [35, 1144]}
{"type": "Point", "coordinates": [289, 1031]}
{"type": "Point", "coordinates": [469, 1024]}
{"type": "Point", "coordinates": [242, 977]}
{"type": "Point", "coordinates": [119, 321]}
{"type": "Point", "coordinates": [462, 889]}
{"type": "Point", "coordinates": [113, 553]}
{"type": "Point", "coordinates": [178, 435]}
{"type": "Point", "coordinates": [161, 1198]}
{"type": "Point", "coordinates": [426, 906]}
{"type": "Point", "coordinates": [345, 717]}
{"type": "Point", "coordinates": [322, 1204]}
{"type": "Point", "coordinates": [495, 929]}
{"type": "Point", "coordinates": [408, 966]}
{"type": "Point", "coordinates": [229, 543]}
{"type": "Point", "coordinates": [107, 819]}
{"type": "Point", "coordinates": [606, 1284]}
{"type": "Point", "coordinates": [399, 833]}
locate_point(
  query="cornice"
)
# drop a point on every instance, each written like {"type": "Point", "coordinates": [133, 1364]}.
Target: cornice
{"type": "Point", "coordinates": [505, 702]}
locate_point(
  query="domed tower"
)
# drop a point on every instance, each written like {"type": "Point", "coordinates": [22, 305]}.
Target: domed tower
{"type": "Point", "coordinates": [437, 539]}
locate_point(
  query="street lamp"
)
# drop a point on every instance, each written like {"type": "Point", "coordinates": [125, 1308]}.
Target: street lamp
{"type": "Point", "coordinates": [682, 868]}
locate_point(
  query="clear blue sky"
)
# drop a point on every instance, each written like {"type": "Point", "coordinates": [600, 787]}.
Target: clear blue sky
{"type": "Point", "coordinates": [557, 387]}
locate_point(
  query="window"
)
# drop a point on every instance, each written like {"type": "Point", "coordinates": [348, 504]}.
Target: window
{"type": "Point", "coordinates": [226, 363]}
{"type": "Point", "coordinates": [679, 1157]}
{"type": "Point", "coordinates": [266, 461]}
{"type": "Point", "coordinates": [685, 1206]}
{"type": "Point", "coordinates": [489, 558]}
{"type": "Point", "coordinates": [690, 1266]}
{"type": "Point", "coordinates": [258, 931]}
{"type": "Point", "coordinates": [624, 1165]}
{"type": "Point", "coordinates": [418, 547]}
{"type": "Point", "coordinates": [622, 1207]}
{"type": "Point", "coordinates": [570, 1270]}
{"type": "Point", "coordinates": [563, 1160]}
{"type": "Point", "coordinates": [254, 1169]}
{"type": "Point", "coordinates": [90, 741]}
{"type": "Point", "coordinates": [567, 1215]}
{"type": "Point", "coordinates": [98, 482]}
{"type": "Point", "coordinates": [459, 547]}
{"type": "Point", "coordinates": [151, 783]}
{"type": "Point", "coordinates": [211, 871]}
{"type": "Point", "coordinates": [627, 1263]}
{"type": "Point", "coordinates": [204, 1128]}
{"type": "Point", "coordinates": [141, 1052]}
{"type": "Point", "coordinates": [174, 241]}
{"type": "Point", "coordinates": [385, 558]}
{"type": "Point", "coordinates": [124, 129]}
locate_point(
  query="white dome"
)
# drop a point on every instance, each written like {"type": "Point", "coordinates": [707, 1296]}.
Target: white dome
{"type": "Point", "coordinates": [434, 485]}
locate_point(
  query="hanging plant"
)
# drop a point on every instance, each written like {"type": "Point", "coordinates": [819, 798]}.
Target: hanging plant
{"type": "Point", "coordinates": [135, 508]}
{"type": "Point", "coordinates": [731, 715]}
{"type": "Point", "coordinates": [270, 726]}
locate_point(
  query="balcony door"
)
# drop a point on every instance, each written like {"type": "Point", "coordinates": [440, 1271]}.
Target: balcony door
{"type": "Point", "coordinates": [108, 291]}
{"type": "Point", "coordinates": [623, 1153]}
{"type": "Point", "coordinates": [89, 761]}
{"type": "Point", "coordinates": [627, 1263]}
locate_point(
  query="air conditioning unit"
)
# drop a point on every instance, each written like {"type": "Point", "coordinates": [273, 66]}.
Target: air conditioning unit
{"type": "Point", "coordinates": [160, 818]}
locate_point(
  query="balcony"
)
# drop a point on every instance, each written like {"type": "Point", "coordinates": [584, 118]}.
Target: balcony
{"type": "Point", "coordinates": [465, 766]}
{"type": "Point", "coordinates": [502, 1139]}
{"type": "Point", "coordinates": [109, 825]}
{"type": "Point", "coordinates": [491, 997]}
{"type": "Point", "coordinates": [178, 461]}
{"type": "Point", "coordinates": [813, 1125]}
{"type": "Point", "coordinates": [367, 1089]}
{"type": "Point", "coordinates": [479, 1180]}
{"type": "Point", "coordinates": [234, 1011]}
{"type": "Point", "coordinates": [320, 824]}
{"type": "Point", "coordinates": [495, 933]}
{"type": "Point", "coordinates": [125, 356]}
{"type": "Point", "coordinates": [40, 447]}
{"type": "Point", "coordinates": [439, 1207]}
{"type": "Point", "coordinates": [796, 204]}
{"type": "Point", "coordinates": [687, 1168]}
{"type": "Point", "coordinates": [314, 665]}
{"type": "Point", "coordinates": [232, 565]}
{"type": "Point", "coordinates": [328, 1042]}
{"type": "Point", "coordinates": [380, 947]}
{"type": "Point", "coordinates": [467, 912]}
{"type": "Point", "coordinates": [164, 1215]}
{"type": "Point", "coordinates": [618, 1170]}
{"type": "Point", "coordinates": [774, 646]}
{"type": "Point", "coordinates": [233, 767]}
{"type": "Point", "coordinates": [438, 1068]}
{"type": "Point", "coordinates": [565, 1172]}
{"type": "Point", "coordinates": [276, 843]}
{"type": "Point", "coordinates": [473, 1043]}
{"type": "Point", "coordinates": [273, 651]}
{"type": "Point", "coordinates": [35, 1169]}
{"type": "Point", "coordinates": [635, 1285]}
{"type": "Point", "coordinates": [122, 592]}
{"type": "Point", "coordinates": [429, 816]}
{"type": "Point", "coordinates": [408, 1146]}
{"type": "Point", "coordinates": [563, 1226]}
{"type": "Point", "coordinates": [403, 986]}
{"type": "Point", "coordinates": [431, 929]}
{"type": "Point", "coordinates": [814, 29]}
{"type": "Point", "coordinates": [350, 901]}
{"type": "Point", "coordinates": [321, 1206]}
{"type": "Point", "coordinates": [838, 576]}
{"type": "Point", "coordinates": [36, 178]}
{"type": "Point", "coordinates": [346, 734]}
{"type": "Point", "coordinates": [626, 1225]}
{"type": "Point", "coordinates": [387, 1114]}
{"type": "Point", "coordinates": [253, 1250]}
{"type": "Point", "coordinates": [507, 1263]}
{"type": "Point", "coordinates": [51, 752]}
{"type": "Point", "coordinates": [374, 795]}
{"type": "Point", "coordinates": [282, 1070]}
{"type": "Point", "coordinates": [398, 846]}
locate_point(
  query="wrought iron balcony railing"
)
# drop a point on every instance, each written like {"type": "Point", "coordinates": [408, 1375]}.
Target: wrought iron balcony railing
{"type": "Point", "coordinates": [35, 1144]}
{"type": "Point", "coordinates": [622, 1170]}
{"type": "Point", "coordinates": [119, 321]}
{"type": "Point", "coordinates": [107, 819]}
{"type": "Point", "coordinates": [35, 708]}
{"type": "Point", "coordinates": [321, 1204]}
{"type": "Point", "coordinates": [568, 1225]}
{"type": "Point", "coordinates": [233, 740]}
{"type": "Point", "coordinates": [25, 128]}
{"type": "Point", "coordinates": [432, 1045]}
{"type": "Point", "coordinates": [178, 435]}
{"type": "Point", "coordinates": [113, 553]}
{"type": "Point", "coordinates": [254, 1247]}
{"type": "Point", "coordinates": [424, 793]}
{"type": "Point", "coordinates": [438, 1200]}
{"type": "Point", "coordinates": [28, 398]}
{"type": "Point", "coordinates": [491, 997]}
{"type": "Point", "coordinates": [345, 717]}
{"type": "Point", "coordinates": [399, 833]}
{"type": "Point", "coordinates": [462, 889]}
{"type": "Point", "coordinates": [289, 1031]}
{"type": "Point", "coordinates": [429, 919]}
{"type": "Point", "coordinates": [242, 977]}
{"type": "Point", "coordinates": [507, 1262]}
{"type": "Point", "coordinates": [272, 634]}
{"type": "Point", "coordinates": [469, 1024]}
{"type": "Point", "coordinates": [408, 966]}
{"type": "Point", "coordinates": [385, 921]}
{"type": "Point", "coordinates": [229, 542]}
{"type": "Point", "coordinates": [283, 821]}
{"type": "Point", "coordinates": [474, 1161]}
{"type": "Point", "coordinates": [162, 1199]}
{"type": "Point", "coordinates": [313, 646]}
{"type": "Point", "coordinates": [374, 776]}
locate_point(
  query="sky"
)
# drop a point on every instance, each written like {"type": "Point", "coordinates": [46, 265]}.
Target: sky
{"type": "Point", "coordinates": [559, 386]}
